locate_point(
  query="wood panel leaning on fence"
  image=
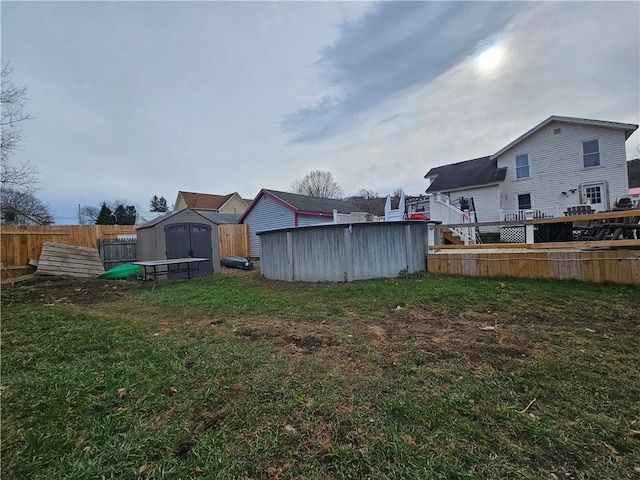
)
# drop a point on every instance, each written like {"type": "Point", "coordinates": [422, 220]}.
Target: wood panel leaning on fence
{"type": "Point", "coordinates": [21, 246]}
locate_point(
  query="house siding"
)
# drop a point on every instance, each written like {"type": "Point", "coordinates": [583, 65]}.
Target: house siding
{"type": "Point", "coordinates": [310, 220]}
{"type": "Point", "coordinates": [235, 204]}
{"type": "Point", "coordinates": [485, 200]}
{"type": "Point", "coordinates": [266, 214]}
{"type": "Point", "coordinates": [555, 166]}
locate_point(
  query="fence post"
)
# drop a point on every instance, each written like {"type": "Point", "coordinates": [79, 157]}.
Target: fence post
{"type": "Point", "coordinates": [557, 209]}
{"type": "Point", "coordinates": [528, 228]}
{"type": "Point", "coordinates": [348, 254]}
{"type": "Point", "coordinates": [290, 265]}
{"type": "Point", "coordinates": [467, 230]}
{"type": "Point", "coordinates": [433, 233]}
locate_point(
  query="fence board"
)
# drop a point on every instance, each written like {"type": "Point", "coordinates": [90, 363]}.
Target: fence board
{"type": "Point", "coordinates": [234, 240]}
{"type": "Point", "coordinates": [598, 265]}
{"type": "Point", "coordinates": [62, 259]}
{"type": "Point", "coordinates": [114, 252]}
{"type": "Point", "coordinates": [20, 243]}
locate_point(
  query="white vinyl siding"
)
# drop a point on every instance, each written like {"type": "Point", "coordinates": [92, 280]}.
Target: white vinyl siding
{"type": "Point", "coordinates": [486, 201]}
{"type": "Point", "coordinates": [559, 166]}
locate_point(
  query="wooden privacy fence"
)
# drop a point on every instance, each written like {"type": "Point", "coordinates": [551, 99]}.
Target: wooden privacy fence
{"type": "Point", "coordinates": [234, 240]}
{"type": "Point", "coordinates": [614, 260]}
{"type": "Point", "coordinates": [21, 243]}
{"type": "Point", "coordinates": [568, 261]}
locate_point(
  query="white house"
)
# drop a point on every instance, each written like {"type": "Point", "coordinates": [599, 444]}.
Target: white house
{"type": "Point", "coordinates": [561, 162]}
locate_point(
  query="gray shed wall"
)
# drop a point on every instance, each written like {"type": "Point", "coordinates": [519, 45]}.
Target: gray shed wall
{"type": "Point", "coordinates": [152, 243]}
{"type": "Point", "coordinates": [344, 252]}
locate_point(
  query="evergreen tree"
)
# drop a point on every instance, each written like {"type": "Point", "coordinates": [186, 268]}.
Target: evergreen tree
{"type": "Point", "coordinates": [125, 215]}
{"type": "Point", "coordinates": [106, 216]}
{"type": "Point", "coordinates": [158, 204]}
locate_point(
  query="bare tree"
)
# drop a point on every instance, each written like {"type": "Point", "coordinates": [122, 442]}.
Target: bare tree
{"type": "Point", "coordinates": [22, 175]}
{"type": "Point", "coordinates": [25, 203]}
{"type": "Point", "coordinates": [317, 183]}
{"type": "Point", "coordinates": [89, 215]}
{"type": "Point", "coordinates": [365, 193]}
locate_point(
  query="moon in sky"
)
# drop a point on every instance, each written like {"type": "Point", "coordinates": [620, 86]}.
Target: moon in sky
{"type": "Point", "coordinates": [490, 59]}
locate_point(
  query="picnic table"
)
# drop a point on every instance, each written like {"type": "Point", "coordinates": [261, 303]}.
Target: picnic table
{"type": "Point", "coordinates": [625, 227]}
{"type": "Point", "coordinates": [153, 268]}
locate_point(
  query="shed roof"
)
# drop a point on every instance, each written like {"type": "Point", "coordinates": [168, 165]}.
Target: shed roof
{"type": "Point", "coordinates": [210, 217]}
{"type": "Point", "coordinates": [303, 204]}
{"type": "Point", "coordinates": [476, 172]}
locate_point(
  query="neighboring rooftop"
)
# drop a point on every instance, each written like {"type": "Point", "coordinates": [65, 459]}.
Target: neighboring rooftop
{"type": "Point", "coordinates": [204, 201]}
{"type": "Point", "coordinates": [476, 172]}
{"type": "Point", "coordinates": [305, 203]}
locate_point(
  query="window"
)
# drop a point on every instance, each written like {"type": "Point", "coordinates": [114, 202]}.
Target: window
{"type": "Point", "coordinates": [524, 201]}
{"type": "Point", "coordinates": [593, 194]}
{"type": "Point", "coordinates": [522, 166]}
{"type": "Point", "coordinates": [591, 153]}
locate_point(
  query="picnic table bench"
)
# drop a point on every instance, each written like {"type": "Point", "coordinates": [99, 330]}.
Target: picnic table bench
{"type": "Point", "coordinates": [153, 268]}
{"type": "Point", "coordinates": [627, 227]}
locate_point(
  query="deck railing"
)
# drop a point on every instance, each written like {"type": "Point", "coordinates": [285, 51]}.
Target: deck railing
{"type": "Point", "coordinates": [551, 212]}
{"type": "Point", "coordinates": [442, 211]}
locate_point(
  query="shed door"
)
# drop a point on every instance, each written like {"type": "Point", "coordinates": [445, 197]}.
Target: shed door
{"type": "Point", "coordinates": [201, 246]}
{"type": "Point", "coordinates": [188, 240]}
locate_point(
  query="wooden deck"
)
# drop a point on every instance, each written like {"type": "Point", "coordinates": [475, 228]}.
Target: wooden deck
{"type": "Point", "coordinates": [608, 261]}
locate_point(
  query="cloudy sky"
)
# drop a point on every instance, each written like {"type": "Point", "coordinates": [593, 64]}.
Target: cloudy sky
{"type": "Point", "coordinates": [135, 99]}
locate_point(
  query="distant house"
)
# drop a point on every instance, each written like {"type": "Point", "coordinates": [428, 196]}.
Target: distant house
{"type": "Point", "coordinates": [272, 210]}
{"type": "Point", "coordinates": [232, 203]}
{"type": "Point", "coordinates": [13, 216]}
{"type": "Point", "coordinates": [561, 162]}
{"type": "Point", "coordinates": [374, 205]}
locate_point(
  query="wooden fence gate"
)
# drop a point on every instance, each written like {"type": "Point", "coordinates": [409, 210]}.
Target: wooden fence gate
{"type": "Point", "coordinates": [114, 252]}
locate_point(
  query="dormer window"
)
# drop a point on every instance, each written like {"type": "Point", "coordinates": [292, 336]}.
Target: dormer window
{"type": "Point", "coordinates": [522, 166]}
{"type": "Point", "coordinates": [591, 153]}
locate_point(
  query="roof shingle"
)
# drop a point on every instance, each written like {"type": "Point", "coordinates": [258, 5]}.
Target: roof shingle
{"type": "Point", "coordinates": [476, 172]}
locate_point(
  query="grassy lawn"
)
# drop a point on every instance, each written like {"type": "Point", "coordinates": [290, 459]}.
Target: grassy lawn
{"type": "Point", "coordinates": [236, 376]}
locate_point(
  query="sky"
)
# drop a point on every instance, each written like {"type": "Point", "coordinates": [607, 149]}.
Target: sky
{"type": "Point", "coordinates": [136, 99]}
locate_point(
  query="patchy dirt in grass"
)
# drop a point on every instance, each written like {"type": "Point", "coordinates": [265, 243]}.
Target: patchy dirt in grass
{"type": "Point", "coordinates": [482, 340]}
{"type": "Point", "coordinates": [66, 291]}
